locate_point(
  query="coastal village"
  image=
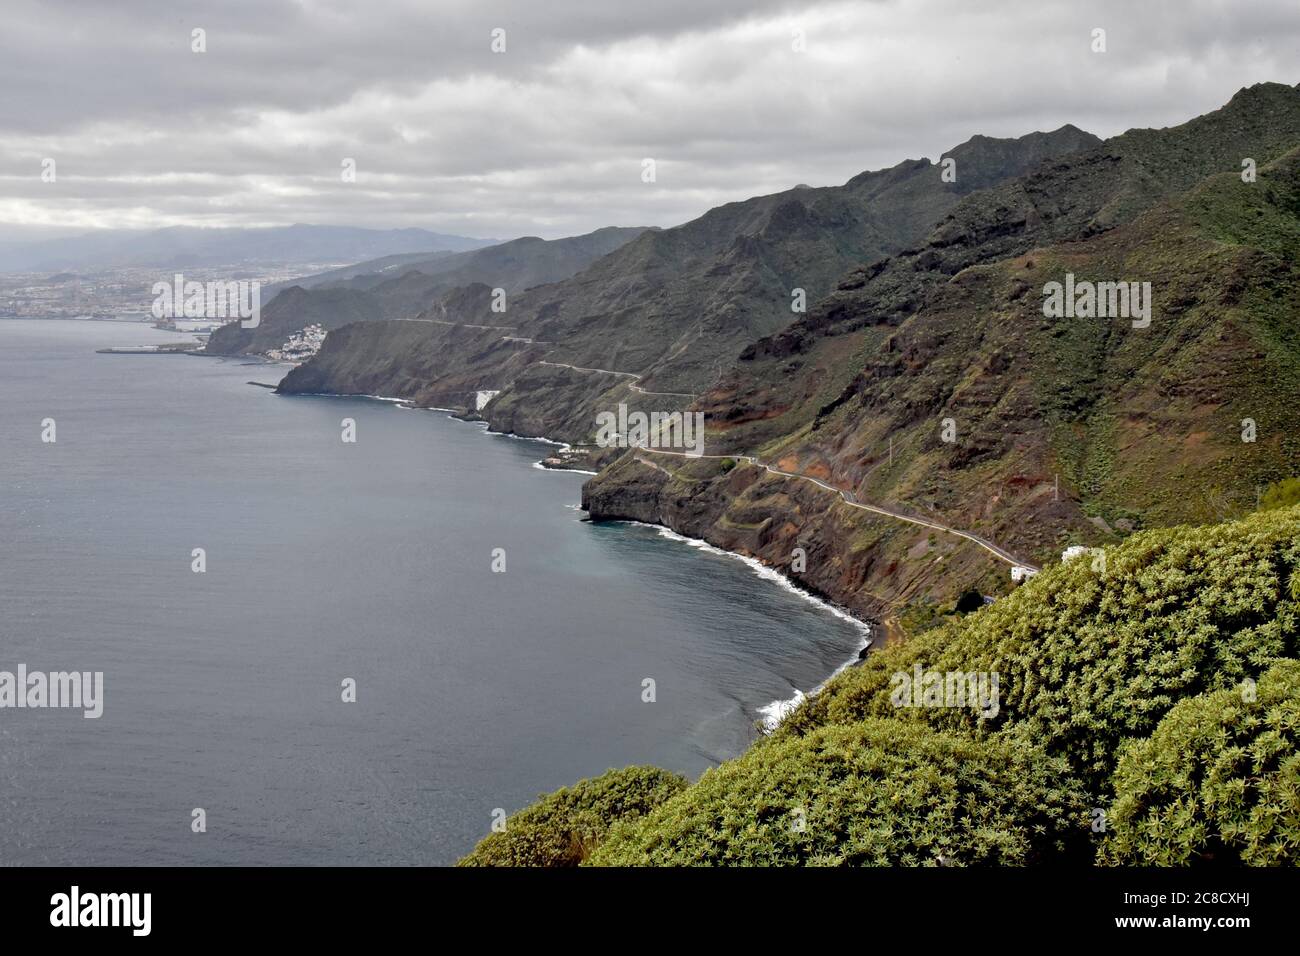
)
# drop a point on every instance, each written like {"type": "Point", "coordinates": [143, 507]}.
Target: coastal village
{"type": "Point", "coordinates": [300, 346]}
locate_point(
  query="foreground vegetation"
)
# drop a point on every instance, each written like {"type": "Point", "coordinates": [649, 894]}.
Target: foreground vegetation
{"type": "Point", "coordinates": [1148, 712]}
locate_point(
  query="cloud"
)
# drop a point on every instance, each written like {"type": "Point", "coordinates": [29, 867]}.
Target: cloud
{"type": "Point", "coordinates": [548, 137]}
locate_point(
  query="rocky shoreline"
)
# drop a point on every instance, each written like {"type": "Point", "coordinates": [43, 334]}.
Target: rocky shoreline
{"type": "Point", "coordinates": [872, 565]}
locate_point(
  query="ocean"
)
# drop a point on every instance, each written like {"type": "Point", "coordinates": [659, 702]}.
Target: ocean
{"type": "Point", "coordinates": [331, 565]}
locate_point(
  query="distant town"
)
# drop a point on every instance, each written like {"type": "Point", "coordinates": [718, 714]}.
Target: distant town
{"type": "Point", "coordinates": [122, 295]}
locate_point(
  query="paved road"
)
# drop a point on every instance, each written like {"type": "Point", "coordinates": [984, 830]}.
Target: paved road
{"type": "Point", "coordinates": [579, 368]}
{"type": "Point", "coordinates": [609, 371]}
{"type": "Point", "coordinates": [638, 388]}
{"type": "Point", "coordinates": [851, 499]}
{"type": "Point", "coordinates": [466, 325]}
{"type": "Point", "coordinates": [576, 368]}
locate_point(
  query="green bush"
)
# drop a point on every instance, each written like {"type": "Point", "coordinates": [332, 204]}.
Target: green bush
{"type": "Point", "coordinates": [563, 827]}
{"type": "Point", "coordinates": [1280, 494]}
{"type": "Point", "coordinates": [1088, 659]}
{"type": "Point", "coordinates": [1218, 781]}
{"type": "Point", "coordinates": [879, 792]}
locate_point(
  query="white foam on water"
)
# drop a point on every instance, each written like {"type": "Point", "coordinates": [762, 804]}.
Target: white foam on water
{"type": "Point", "coordinates": [778, 710]}
{"type": "Point", "coordinates": [767, 574]}
{"type": "Point", "coordinates": [377, 398]}
{"type": "Point", "coordinates": [563, 471]}
{"type": "Point", "coordinates": [544, 441]}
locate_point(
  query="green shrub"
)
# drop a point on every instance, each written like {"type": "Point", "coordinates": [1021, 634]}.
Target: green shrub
{"type": "Point", "coordinates": [1218, 781]}
{"type": "Point", "coordinates": [563, 827]}
{"type": "Point", "coordinates": [879, 792]}
{"type": "Point", "coordinates": [1280, 494]}
{"type": "Point", "coordinates": [1089, 659]}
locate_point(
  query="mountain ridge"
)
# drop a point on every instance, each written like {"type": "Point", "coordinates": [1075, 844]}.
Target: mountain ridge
{"type": "Point", "coordinates": [673, 305]}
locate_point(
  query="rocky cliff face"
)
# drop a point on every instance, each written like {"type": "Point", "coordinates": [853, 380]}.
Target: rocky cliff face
{"type": "Point", "coordinates": [868, 563]}
{"type": "Point", "coordinates": [782, 382]}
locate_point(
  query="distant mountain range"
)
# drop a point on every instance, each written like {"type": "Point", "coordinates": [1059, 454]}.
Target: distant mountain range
{"type": "Point", "coordinates": [181, 247]}
{"type": "Point", "coordinates": [416, 286]}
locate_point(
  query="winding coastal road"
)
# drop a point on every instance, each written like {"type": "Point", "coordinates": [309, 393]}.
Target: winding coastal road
{"type": "Point", "coordinates": [576, 368]}
{"type": "Point", "coordinates": [466, 325]}
{"type": "Point", "coordinates": [848, 497]}
{"type": "Point", "coordinates": [852, 501]}
{"type": "Point", "coordinates": [609, 371]}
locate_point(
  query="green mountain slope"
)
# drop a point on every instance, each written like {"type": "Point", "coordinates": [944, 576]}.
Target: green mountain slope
{"type": "Point", "coordinates": [783, 382]}
{"type": "Point", "coordinates": [1064, 430]}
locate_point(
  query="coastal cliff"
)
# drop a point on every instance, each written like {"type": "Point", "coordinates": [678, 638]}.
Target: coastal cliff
{"type": "Point", "coordinates": [871, 564]}
{"type": "Point", "coordinates": [935, 383]}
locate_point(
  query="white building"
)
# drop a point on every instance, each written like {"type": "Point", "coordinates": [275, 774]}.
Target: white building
{"type": "Point", "coordinates": [1020, 573]}
{"type": "Point", "coordinates": [1072, 552]}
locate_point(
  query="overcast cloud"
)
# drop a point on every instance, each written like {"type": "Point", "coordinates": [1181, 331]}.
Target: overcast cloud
{"type": "Point", "coordinates": [547, 138]}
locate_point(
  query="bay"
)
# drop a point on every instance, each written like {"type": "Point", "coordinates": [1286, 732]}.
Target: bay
{"type": "Point", "coordinates": [328, 561]}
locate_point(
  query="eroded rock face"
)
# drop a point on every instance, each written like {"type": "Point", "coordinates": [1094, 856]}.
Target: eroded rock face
{"type": "Point", "coordinates": [1067, 430]}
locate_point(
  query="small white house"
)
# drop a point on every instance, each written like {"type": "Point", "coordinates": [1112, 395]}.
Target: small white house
{"type": "Point", "coordinates": [1020, 573]}
{"type": "Point", "coordinates": [1072, 552]}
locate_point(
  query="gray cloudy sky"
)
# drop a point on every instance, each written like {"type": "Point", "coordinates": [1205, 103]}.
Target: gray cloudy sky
{"type": "Point", "coordinates": [547, 138]}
